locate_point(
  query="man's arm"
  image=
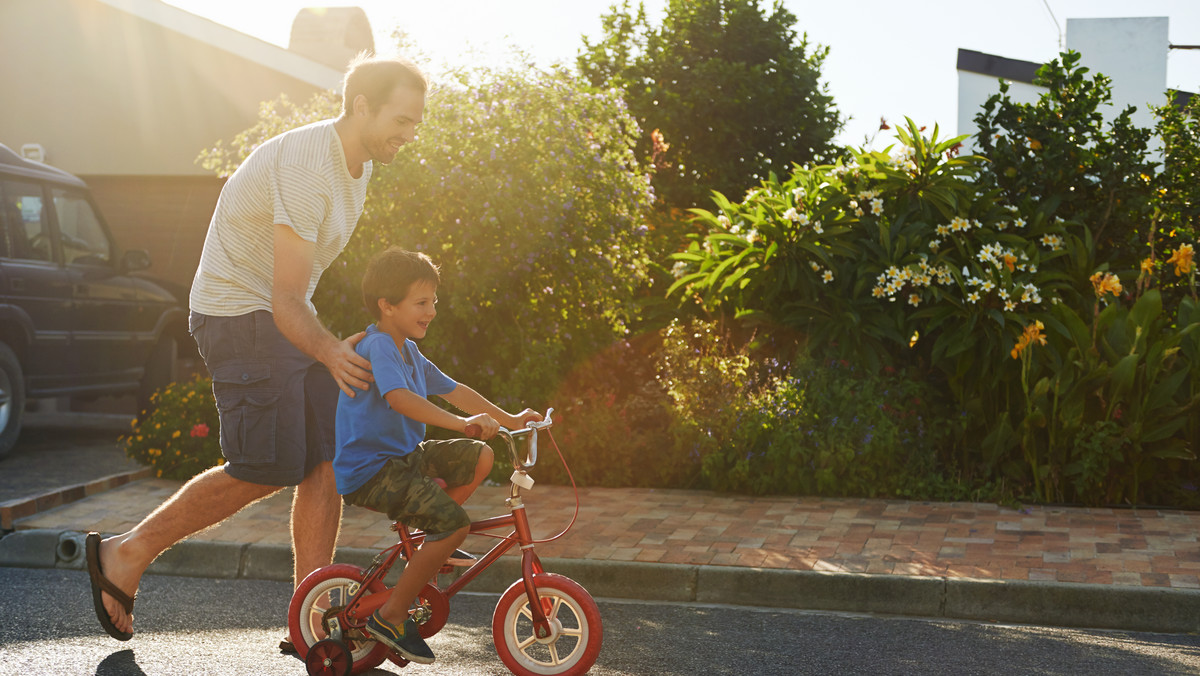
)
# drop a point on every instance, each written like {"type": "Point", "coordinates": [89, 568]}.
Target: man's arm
{"type": "Point", "coordinates": [297, 323]}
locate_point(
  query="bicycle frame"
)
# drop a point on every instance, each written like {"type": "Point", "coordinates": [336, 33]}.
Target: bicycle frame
{"type": "Point", "coordinates": [361, 605]}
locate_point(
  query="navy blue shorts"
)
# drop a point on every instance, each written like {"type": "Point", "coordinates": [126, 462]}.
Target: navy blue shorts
{"type": "Point", "coordinates": [276, 404]}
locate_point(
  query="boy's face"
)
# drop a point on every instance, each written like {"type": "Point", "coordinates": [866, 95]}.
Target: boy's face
{"type": "Point", "coordinates": [410, 317]}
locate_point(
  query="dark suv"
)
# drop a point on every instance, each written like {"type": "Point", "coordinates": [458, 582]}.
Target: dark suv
{"type": "Point", "coordinates": [75, 318]}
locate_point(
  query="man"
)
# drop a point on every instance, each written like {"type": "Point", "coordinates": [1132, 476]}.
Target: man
{"type": "Point", "coordinates": [281, 219]}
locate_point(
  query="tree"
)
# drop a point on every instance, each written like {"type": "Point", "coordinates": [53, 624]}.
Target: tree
{"type": "Point", "coordinates": [725, 93]}
{"type": "Point", "coordinates": [523, 186]}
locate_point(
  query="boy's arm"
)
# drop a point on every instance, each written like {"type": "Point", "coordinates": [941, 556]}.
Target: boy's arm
{"type": "Point", "coordinates": [411, 405]}
{"type": "Point", "coordinates": [467, 399]}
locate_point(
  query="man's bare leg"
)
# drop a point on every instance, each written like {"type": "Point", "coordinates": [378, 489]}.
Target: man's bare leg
{"type": "Point", "coordinates": [316, 517]}
{"type": "Point", "coordinates": [206, 500]}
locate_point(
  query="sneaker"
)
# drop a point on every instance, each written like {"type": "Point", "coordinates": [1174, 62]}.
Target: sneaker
{"type": "Point", "coordinates": [406, 641]}
{"type": "Point", "coordinates": [286, 645]}
{"type": "Point", "coordinates": [461, 558]}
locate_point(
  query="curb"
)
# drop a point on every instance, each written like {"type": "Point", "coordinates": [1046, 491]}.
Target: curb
{"type": "Point", "coordinates": [20, 508]}
{"type": "Point", "coordinates": [1059, 604]}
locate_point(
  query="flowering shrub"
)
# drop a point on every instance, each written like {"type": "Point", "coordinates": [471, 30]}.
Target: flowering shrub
{"type": "Point", "coordinates": [918, 258]}
{"type": "Point", "coordinates": [179, 437]}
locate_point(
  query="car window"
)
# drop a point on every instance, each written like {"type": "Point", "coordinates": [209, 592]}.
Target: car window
{"type": "Point", "coordinates": [26, 220]}
{"type": "Point", "coordinates": [83, 238]}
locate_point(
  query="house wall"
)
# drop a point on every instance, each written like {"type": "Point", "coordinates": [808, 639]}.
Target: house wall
{"type": "Point", "coordinates": [125, 94]}
{"type": "Point", "coordinates": [974, 90]}
{"type": "Point", "coordinates": [165, 215]}
{"type": "Point", "coordinates": [107, 92]}
{"type": "Point", "coordinates": [1132, 53]}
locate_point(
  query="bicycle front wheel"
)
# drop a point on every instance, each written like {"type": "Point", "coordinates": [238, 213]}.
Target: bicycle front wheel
{"type": "Point", "coordinates": [576, 631]}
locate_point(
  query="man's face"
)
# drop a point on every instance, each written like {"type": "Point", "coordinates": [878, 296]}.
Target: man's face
{"type": "Point", "coordinates": [394, 124]}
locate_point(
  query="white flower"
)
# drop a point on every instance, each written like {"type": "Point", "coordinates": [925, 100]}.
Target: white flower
{"type": "Point", "coordinates": [933, 245]}
{"type": "Point", "coordinates": [943, 230]}
{"type": "Point", "coordinates": [1020, 223]}
{"type": "Point", "coordinates": [914, 300]}
{"type": "Point", "coordinates": [973, 296]}
{"type": "Point", "coordinates": [877, 206]}
{"type": "Point", "coordinates": [723, 221]}
{"type": "Point", "coordinates": [1009, 306]}
{"type": "Point", "coordinates": [791, 215]}
{"type": "Point", "coordinates": [958, 224]}
{"type": "Point", "coordinates": [817, 227]}
{"type": "Point", "coordinates": [679, 269]}
{"type": "Point", "coordinates": [802, 219]}
{"type": "Point", "coordinates": [827, 277]}
{"type": "Point", "coordinates": [798, 194]}
{"type": "Point", "coordinates": [814, 266]}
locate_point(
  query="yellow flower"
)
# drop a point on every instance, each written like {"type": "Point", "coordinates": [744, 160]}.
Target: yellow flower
{"type": "Point", "coordinates": [1182, 259]}
{"type": "Point", "coordinates": [1032, 334]}
{"type": "Point", "coordinates": [1148, 265]}
{"type": "Point", "coordinates": [175, 434]}
{"type": "Point", "coordinates": [1106, 282]}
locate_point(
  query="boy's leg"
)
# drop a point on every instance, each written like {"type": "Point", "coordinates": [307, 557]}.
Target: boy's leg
{"type": "Point", "coordinates": [483, 466]}
{"type": "Point", "coordinates": [423, 566]}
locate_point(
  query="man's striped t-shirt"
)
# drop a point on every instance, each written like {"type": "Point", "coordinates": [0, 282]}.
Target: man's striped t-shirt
{"type": "Point", "coordinates": [298, 179]}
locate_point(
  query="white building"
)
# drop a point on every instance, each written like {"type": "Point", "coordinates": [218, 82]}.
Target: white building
{"type": "Point", "coordinates": [1132, 52]}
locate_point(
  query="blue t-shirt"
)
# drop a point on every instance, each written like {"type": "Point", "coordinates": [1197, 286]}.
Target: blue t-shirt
{"type": "Point", "coordinates": [368, 431]}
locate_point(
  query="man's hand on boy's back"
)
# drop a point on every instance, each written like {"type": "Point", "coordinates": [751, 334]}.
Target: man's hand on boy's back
{"type": "Point", "coordinates": [349, 368]}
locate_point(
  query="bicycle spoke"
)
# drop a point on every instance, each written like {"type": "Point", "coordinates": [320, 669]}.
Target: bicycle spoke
{"type": "Point", "coordinates": [526, 643]}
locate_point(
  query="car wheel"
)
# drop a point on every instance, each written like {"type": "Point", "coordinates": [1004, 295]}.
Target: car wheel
{"type": "Point", "coordinates": [160, 372]}
{"type": "Point", "coordinates": [12, 399]}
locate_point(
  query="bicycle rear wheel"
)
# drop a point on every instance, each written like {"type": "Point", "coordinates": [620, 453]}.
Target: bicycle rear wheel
{"type": "Point", "coordinates": [323, 590]}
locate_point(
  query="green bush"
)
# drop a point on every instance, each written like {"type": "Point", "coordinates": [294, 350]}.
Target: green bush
{"type": "Point", "coordinates": [832, 429]}
{"type": "Point", "coordinates": [179, 437]}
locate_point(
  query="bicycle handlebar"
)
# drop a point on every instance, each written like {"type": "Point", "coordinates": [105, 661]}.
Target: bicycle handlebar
{"type": "Point", "coordinates": [512, 438]}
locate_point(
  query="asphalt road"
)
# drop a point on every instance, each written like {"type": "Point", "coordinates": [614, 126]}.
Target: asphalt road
{"type": "Point", "coordinates": [198, 626]}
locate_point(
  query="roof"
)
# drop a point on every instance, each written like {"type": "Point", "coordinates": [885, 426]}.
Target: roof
{"type": "Point", "coordinates": [233, 41]}
{"type": "Point", "coordinates": [1024, 71]}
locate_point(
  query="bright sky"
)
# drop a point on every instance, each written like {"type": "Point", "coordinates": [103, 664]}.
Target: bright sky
{"type": "Point", "coordinates": [887, 57]}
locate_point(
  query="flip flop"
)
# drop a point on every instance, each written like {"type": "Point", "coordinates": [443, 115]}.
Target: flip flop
{"type": "Point", "coordinates": [103, 584]}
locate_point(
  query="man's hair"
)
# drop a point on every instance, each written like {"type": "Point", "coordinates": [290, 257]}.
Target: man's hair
{"type": "Point", "coordinates": [376, 78]}
{"type": "Point", "coordinates": [391, 274]}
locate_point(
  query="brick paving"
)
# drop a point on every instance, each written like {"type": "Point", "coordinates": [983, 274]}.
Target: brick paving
{"type": "Point", "coordinates": [1143, 547]}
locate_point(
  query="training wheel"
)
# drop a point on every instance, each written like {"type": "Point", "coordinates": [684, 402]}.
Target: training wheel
{"type": "Point", "coordinates": [328, 657]}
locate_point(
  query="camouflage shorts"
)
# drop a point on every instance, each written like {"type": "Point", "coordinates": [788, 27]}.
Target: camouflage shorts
{"type": "Point", "coordinates": [405, 491]}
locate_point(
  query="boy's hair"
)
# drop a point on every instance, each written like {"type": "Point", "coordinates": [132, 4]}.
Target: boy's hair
{"type": "Point", "coordinates": [376, 78]}
{"type": "Point", "coordinates": [391, 274]}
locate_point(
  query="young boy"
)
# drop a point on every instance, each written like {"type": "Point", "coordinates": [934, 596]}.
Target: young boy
{"type": "Point", "coordinates": [383, 462]}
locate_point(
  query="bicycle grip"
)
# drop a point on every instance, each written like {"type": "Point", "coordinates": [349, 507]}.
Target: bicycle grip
{"type": "Point", "coordinates": [473, 431]}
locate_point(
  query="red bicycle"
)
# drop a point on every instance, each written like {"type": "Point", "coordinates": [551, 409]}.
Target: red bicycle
{"type": "Point", "coordinates": [559, 634]}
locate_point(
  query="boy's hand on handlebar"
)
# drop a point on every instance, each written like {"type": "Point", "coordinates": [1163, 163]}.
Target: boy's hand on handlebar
{"type": "Point", "coordinates": [484, 423]}
{"type": "Point", "coordinates": [522, 419]}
